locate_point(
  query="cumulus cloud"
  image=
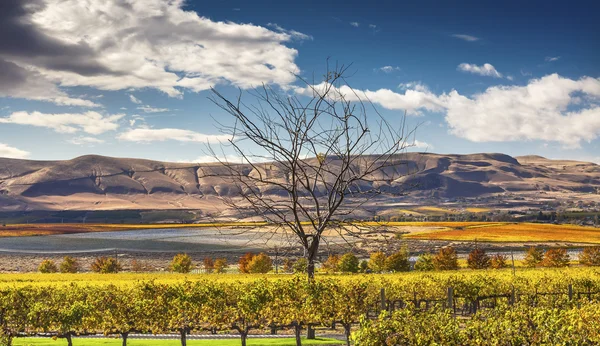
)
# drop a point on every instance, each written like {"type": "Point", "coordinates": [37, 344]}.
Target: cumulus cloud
{"type": "Point", "coordinates": [135, 100]}
{"type": "Point", "coordinates": [123, 44]}
{"type": "Point", "coordinates": [552, 58]}
{"type": "Point", "coordinates": [389, 69]}
{"type": "Point", "coordinates": [464, 37]}
{"type": "Point", "coordinates": [484, 70]}
{"type": "Point", "coordinates": [82, 140]}
{"type": "Point", "coordinates": [552, 108]}
{"type": "Point", "coordinates": [355, 24]}
{"type": "Point", "coordinates": [417, 144]}
{"type": "Point", "coordinates": [89, 122]}
{"type": "Point", "coordinates": [415, 85]}
{"type": "Point", "coordinates": [161, 135]}
{"type": "Point", "coordinates": [12, 152]}
{"type": "Point", "coordinates": [293, 33]}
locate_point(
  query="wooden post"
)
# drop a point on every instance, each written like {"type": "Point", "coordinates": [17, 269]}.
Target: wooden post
{"type": "Point", "coordinates": [450, 297]}
{"type": "Point", "coordinates": [512, 296]}
{"type": "Point", "coordinates": [570, 292]}
{"type": "Point", "coordinates": [383, 307]}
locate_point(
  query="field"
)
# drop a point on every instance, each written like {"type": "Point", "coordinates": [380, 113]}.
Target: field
{"type": "Point", "coordinates": [174, 342]}
{"type": "Point", "coordinates": [510, 233]}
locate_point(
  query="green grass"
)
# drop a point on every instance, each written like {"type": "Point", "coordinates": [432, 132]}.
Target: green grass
{"type": "Point", "coordinates": [173, 342]}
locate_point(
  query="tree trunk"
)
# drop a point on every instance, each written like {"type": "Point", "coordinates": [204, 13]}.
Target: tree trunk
{"type": "Point", "coordinates": [297, 333]}
{"type": "Point", "coordinates": [69, 341]}
{"type": "Point", "coordinates": [347, 332]}
{"type": "Point", "coordinates": [243, 336]}
{"type": "Point", "coordinates": [183, 334]}
{"type": "Point", "coordinates": [311, 256]}
{"type": "Point", "coordinates": [124, 337]}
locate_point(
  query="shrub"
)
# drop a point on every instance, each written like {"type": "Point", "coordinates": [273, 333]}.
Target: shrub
{"type": "Point", "coordinates": [69, 265]}
{"type": "Point", "coordinates": [244, 261]}
{"type": "Point", "coordinates": [533, 257]}
{"type": "Point", "coordinates": [47, 266]}
{"type": "Point", "coordinates": [446, 259]}
{"type": "Point", "coordinates": [139, 266]}
{"type": "Point", "coordinates": [424, 263]}
{"type": "Point", "coordinates": [590, 256]}
{"type": "Point", "coordinates": [105, 265]}
{"type": "Point", "coordinates": [363, 266]}
{"type": "Point", "coordinates": [331, 264]}
{"type": "Point", "coordinates": [209, 264]}
{"type": "Point", "coordinates": [348, 263]}
{"type": "Point", "coordinates": [377, 262]}
{"type": "Point", "coordinates": [221, 265]}
{"type": "Point", "coordinates": [181, 263]}
{"type": "Point", "coordinates": [260, 263]}
{"type": "Point", "coordinates": [300, 266]}
{"type": "Point", "coordinates": [498, 261]}
{"type": "Point", "coordinates": [478, 259]}
{"type": "Point", "coordinates": [288, 265]}
{"type": "Point", "coordinates": [556, 258]}
{"type": "Point", "coordinates": [398, 262]}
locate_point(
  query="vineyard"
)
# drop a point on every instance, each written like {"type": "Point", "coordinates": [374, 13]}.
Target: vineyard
{"type": "Point", "coordinates": [540, 306]}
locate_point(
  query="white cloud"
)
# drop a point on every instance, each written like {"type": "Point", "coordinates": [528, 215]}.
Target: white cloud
{"type": "Point", "coordinates": [160, 135]}
{"type": "Point", "coordinates": [372, 26]}
{"type": "Point", "coordinates": [293, 33]}
{"type": "Point", "coordinates": [552, 58]}
{"type": "Point", "coordinates": [552, 108]}
{"type": "Point", "coordinates": [389, 69]}
{"type": "Point", "coordinates": [12, 152]}
{"type": "Point", "coordinates": [82, 140]}
{"type": "Point", "coordinates": [148, 109]}
{"type": "Point", "coordinates": [355, 24]}
{"type": "Point", "coordinates": [484, 70]}
{"type": "Point", "coordinates": [135, 100]}
{"type": "Point", "coordinates": [89, 122]}
{"type": "Point", "coordinates": [415, 85]}
{"type": "Point", "coordinates": [510, 78]}
{"type": "Point", "coordinates": [116, 45]}
{"type": "Point", "coordinates": [468, 38]}
{"type": "Point", "coordinates": [417, 144]}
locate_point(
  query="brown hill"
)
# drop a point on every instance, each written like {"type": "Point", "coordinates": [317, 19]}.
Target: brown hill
{"type": "Point", "coordinates": [98, 182]}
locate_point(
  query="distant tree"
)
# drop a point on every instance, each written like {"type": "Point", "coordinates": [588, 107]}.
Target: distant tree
{"type": "Point", "coordinates": [590, 256]}
{"type": "Point", "coordinates": [331, 264]}
{"type": "Point", "coordinates": [300, 266]}
{"type": "Point", "coordinates": [533, 257]}
{"type": "Point", "coordinates": [424, 262]}
{"type": "Point", "coordinates": [556, 258]}
{"type": "Point", "coordinates": [478, 259]}
{"type": "Point", "coordinates": [69, 265]}
{"type": "Point", "coordinates": [181, 263]}
{"type": "Point", "coordinates": [220, 265]}
{"type": "Point", "coordinates": [446, 259]}
{"type": "Point", "coordinates": [348, 263]}
{"type": "Point", "coordinates": [398, 261]}
{"type": "Point", "coordinates": [47, 266]}
{"type": "Point", "coordinates": [138, 266]}
{"type": "Point", "coordinates": [260, 263]}
{"type": "Point", "coordinates": [363, 266]}
{"type": "Point", "coordinates": [498, 261]}
{"type": "Point", "coordinates": [105, 265]}
{"type": "Point", "coordinates": [209, 264]}
{"type": "Point", "coordinates": [377, 262]}
{"type": "Point", "coordinates": [244, 261]}
{"type": "Point", "coordinates": [288, 265]}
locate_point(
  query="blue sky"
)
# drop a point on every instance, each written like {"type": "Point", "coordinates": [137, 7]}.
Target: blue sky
{"type": "Point", "coordinates": [131, 78]}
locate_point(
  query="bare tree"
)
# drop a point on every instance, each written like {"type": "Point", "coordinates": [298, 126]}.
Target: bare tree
{"type": "Point", "coordinates": [320, 160]}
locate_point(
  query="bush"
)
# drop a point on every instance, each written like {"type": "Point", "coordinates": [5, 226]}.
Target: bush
{"type": "Point", "coordinates": [209, 264]}
{"type": "Point", "coordinates": [47, 266]}
{"type": "Point", "coordinates": [181, 263]}
{"type": "Point", "coordinates": [260, 263]}
{"type": "Point", "coordinates": [220, 265]}
{"type": "Point", "coordinates": [533, 257]}
{"type": "Point", "coordinates": [424, 263]}
{"type": "Point", "coordinates": [288, 265]}
{"type": "Point", "coordinates": [377, 262]}
{"type": "Point", "coordinates": [244, 261]}
{"type": "Point", "coordinates": [331, 264]}
{"type": "Point", "coordinates": [139, 266]}
{"type": "Point", "coordinates": [446, 259]}
{"type": "Point", "coordinates": [348, 263]}
{"type": "Point", "coordinates": [556, 258]}
{"type": "Point", "coordinates": [398, 262]}
{"type": "Point", "coordinates": [590, 256]}
{"type": "Point", "coordinates": [498, 261]}
{"type": "Point", "coordinates": [69, 265]}
{"type": "Point", "coordinates": [478, 259]}
{"type": "Point", "coordinates": [106, 265]}
{"type": "Point", "coordinates": [300, 266]}
{"type": "Point", "coordinates": [363, 266]}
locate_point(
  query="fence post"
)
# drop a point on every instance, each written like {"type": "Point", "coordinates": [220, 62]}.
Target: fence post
{"type": "Point", "coordinates": [513, 298]}
{"type": "Point", "coordinates": [383, 307]}
{"type": "Point", "coordinates": [450, 294]}
{"type": "Point", "coordinates": [570, 292]}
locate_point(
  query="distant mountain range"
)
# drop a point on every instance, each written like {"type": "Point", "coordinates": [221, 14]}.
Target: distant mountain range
{"type": "Point", "coordinates": [104, 183]}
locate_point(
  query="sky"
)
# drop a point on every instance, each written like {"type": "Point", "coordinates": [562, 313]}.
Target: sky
{"type": "Point", "coordinates": [132, 78]}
